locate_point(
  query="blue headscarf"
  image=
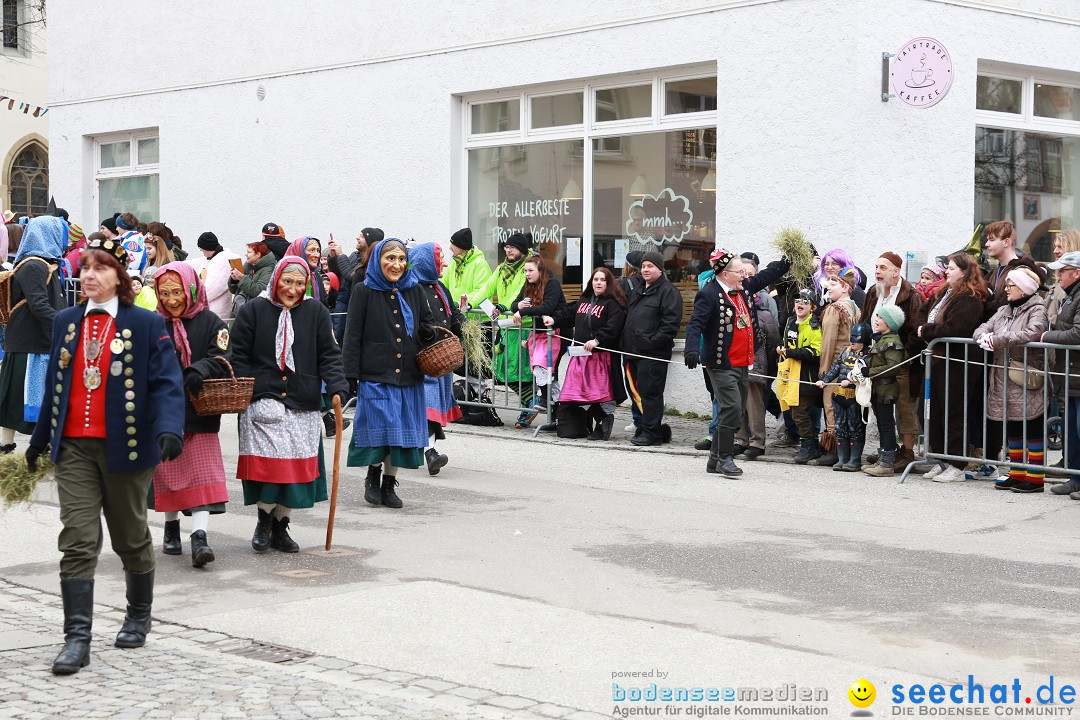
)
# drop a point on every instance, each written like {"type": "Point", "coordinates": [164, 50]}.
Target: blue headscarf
{"type": "Point", "coordinates": [45, 237]}
{"type": "Point", "coordinates": [424, 265]}
{"type": "Point", "coordinates": [377, 281]}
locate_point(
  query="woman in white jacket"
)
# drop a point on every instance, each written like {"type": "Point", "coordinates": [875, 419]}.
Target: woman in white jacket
{"type": "Point", "coordinates": [213, 268]}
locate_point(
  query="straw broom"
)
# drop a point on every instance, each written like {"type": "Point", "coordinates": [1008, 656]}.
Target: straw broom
{"type": "Point", "coordinates": [17, 482]}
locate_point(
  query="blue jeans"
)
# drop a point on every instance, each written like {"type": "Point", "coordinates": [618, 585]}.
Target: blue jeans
{"type": "Point", "coordinates": [1071, 420]}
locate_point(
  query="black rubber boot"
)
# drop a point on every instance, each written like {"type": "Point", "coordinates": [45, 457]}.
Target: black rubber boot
{"type": "Point", "coordinates": [554, 424]}
{"type": "Point", "coordinates": [389, 497]}
{"type": "Point", "coordinates": [171, 544]}
{"type": "Point", "coordinates": [724, 447]}
{"type": "Point", "coordinates": [280, 538]}
{"type": "Point", "coordinates": [606, 424]}
{"type": "Point", "coordinates": [435, 461]}
{"type": "Point", "coordinates": [78, 597]}
{"type": "Point", "coordinates": [140, 598]}
{"type": "Point", "coordinates": [260, 541]}
{"type": "Point", "coordinates": [854, 463]}
{"type": "Point", "coordinates": [714, 454]}
{"type": "Point", "coordinates": [843, 452]}
{"type": "Point", "coordinates": [372, 492]}
{"type": "Point", "coordinates": [200, 550]}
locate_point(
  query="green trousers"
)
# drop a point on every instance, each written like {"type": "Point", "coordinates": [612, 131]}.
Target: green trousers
{"type": "Point", "coordinates": [87, 489]}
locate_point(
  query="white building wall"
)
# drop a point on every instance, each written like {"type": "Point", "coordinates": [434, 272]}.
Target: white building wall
{"type": "Point", "coordinates": [804, 139]}
{"type": "Point", "coordinates": [24, 77]}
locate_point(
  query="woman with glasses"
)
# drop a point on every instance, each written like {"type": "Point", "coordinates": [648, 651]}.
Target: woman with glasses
{"type": "Point", "coordinates": [1013, 397]}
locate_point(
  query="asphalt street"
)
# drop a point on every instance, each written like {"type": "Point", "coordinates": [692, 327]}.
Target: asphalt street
{"type": "Point", "coordinates": [542, 570]}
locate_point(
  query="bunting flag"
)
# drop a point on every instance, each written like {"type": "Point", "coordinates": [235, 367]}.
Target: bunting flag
{"type": "Point", "coordinates": [24, 107]}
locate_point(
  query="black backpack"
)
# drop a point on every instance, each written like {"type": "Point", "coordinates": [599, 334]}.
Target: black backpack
{"type": "Point", "coordinates": [473, 414]}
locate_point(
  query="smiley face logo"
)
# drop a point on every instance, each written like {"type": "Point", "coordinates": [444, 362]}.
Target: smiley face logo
{"type": "Point", "coordinates": [862, 693]}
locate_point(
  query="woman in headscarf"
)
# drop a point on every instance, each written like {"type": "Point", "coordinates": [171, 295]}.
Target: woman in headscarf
{"type": "Point", "coordinates": [194, 483]}
{"type": "Point", "coordinates": [288, 346]}
{"type": "Point", "coordinates": [387, 318]}
{"type": "Point", "coordinates": [442, 408]}
{"type": "Point", "coordinates": [37, 294]}
{"type": "Point", "coordinates": [310, 249]}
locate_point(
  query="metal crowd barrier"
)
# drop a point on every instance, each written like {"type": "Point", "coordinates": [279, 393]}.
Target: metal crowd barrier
{"type": "Point", "coordinates": [505, 392]}
{"type": "Point", "coordinates": [963, 359]}
{"type": "Point", "coordinates": [72, 290]}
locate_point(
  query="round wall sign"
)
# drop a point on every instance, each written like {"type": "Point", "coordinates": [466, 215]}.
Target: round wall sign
{"type": "Point", "coordinates": [922, 72]}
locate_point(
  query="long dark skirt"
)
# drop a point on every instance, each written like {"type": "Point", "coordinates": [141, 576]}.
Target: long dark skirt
{"type": "Point", "coordinates": [12, 377]}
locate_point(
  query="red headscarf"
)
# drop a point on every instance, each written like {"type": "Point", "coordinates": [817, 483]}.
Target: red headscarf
{"type": "Point", "coordinates": [195, 302]}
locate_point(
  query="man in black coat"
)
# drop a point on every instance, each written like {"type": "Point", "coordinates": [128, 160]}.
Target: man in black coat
{"type": "Point", "coordinates": [653, 317]}
{"type": "Point", "coordinates": [723, 316]}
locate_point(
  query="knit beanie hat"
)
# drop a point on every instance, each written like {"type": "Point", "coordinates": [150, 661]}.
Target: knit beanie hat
{"type": "Point", "coordinates": [519, 241]}
{"type": "Point", "coordinates": [893, 316]}
{"type": "Point", "coordinates": [110, 223]}
{"type": "Point", "coordinates": [653, 257]}
{"type": "Point", "coordinates": [1025, 279]}
{"type": "Point", "coordinates": [209, 241]}
{"type": "Point", "coordinates": [462, 239]}
{"type": "Point", "coordinates": [893, 258]}
{"type": "Point", "coordinates": [75, 235]}
{"type": "Point", "coordinates": [633, 259]}
{"type": "Point", "coordinates": [373, 235]}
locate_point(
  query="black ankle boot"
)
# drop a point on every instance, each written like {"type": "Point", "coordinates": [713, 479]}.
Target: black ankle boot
{"type": "Point", "coordinates": [435, 462]}
{"type": "Point", "coordinates": [6, 449]}
{"type": "Point", "coordinates": [279, 536]}
{"type": "Point", "coordinates": [171, 545]}
{"type": "Point", "coordinates": [328, 423]}
{"type": "Point", "coordinates": [596, 416]}
{"type": "Point", "coordinates": [372, 491]}
{"type": "Point", "coordinates": [140, 598]}
{"type": "Point", "coordinates": [389, 497]}
{"type": "Point", "coordinates": [78, 597]}
{"type": "Point", "coordinates": [200, 551]}
{"type": "Point", "coordinates": [260, 541]}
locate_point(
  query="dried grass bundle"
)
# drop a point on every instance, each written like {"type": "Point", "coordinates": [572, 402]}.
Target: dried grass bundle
{"type": "Point", "coordinates": [17, 482]}
{"type": "Point", "coordinates": [792, 245]}
{"type": "Point", "coordinates": [476, 356]}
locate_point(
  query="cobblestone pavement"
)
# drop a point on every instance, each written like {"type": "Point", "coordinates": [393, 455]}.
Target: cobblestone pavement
{"type": "Point", "coordinates": [185, 672]}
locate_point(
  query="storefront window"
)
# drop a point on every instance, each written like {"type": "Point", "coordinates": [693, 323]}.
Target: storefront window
{"type": "Point", "coordinates": [1054, 101]}
{"type": "Point", "coordinates": [556, 110]}
{"type": "Point", "coordinates": [533, 189]}
{"type": "Point", "coordinates": [690, 96]}
{"type": "Point", "coordinates": [998, 94]}
{"type": "Point", "coordinates": [625, 103]}
{"type": "Point", "coordinates": [1030, 178]}
{"type": "Point", "coordinates": [493, 117]}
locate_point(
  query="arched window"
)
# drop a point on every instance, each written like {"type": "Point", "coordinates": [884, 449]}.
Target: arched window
{"type": "Point", "coordinates": [30, 181]}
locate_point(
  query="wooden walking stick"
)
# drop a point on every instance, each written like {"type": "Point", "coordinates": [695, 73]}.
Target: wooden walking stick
{"type": "Point", "coordinates": [337, 470]}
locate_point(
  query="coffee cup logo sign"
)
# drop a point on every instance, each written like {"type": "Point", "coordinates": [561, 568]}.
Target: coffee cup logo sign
{"type": "Point", "coordinates": [921, 72]}
{"type": "Point", "coordinates": [655, 220]}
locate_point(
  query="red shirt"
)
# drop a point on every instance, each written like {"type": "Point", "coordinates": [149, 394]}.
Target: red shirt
{"type": "Point", "coordinates": [741, 350]}
{"type": "Point", "coordinates": [86, 408]}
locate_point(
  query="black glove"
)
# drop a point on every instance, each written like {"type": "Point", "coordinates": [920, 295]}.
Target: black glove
{"type": "Point", "coordinates": [170, 446]}
{"type": "Point", "coordinates": [353, 382]}
{"type": "Point", "coordinates": [691, 359]}
{"type": "Point", "coordinates": [193, 382]}
{"type": "Point", "coordinates": [32, 454]}
{"type": "Point", "coordinates": [427, 332]}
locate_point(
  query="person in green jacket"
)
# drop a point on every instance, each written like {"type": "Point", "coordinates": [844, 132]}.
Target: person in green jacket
{"type": "Point", "coordinates": [468, 271]}
{"type": "Point", "coordinates": [502, 288]}
{"type": "Point", "coordinates": [258, 268]}
{"type": "Point", "coordinates": [889, 374]}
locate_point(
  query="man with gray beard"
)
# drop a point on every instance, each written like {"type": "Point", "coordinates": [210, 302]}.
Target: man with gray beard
{"type": "Point", "coordinates": [892, 289]}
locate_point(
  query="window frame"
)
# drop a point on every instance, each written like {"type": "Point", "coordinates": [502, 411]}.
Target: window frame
{"type": "Point", "coordinates": [586, 132]}
{"type": "Point", "coordinates": [133, 168]}
{"type": "Point", "coordinates": [1026, 119]}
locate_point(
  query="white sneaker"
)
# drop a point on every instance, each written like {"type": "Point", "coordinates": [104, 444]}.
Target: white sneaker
{"type": "Point", "coordinates": [950, 474]}
{"type": "Point", "coordinates": [630, 428]}
{"type": "Point", "coordinates": [935, 471]}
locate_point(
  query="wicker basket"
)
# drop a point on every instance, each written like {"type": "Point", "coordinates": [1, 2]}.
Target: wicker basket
{"type": "Point", "coordinates": [225, 395]}
{"type": "Point", "coordinates": [441, 358]}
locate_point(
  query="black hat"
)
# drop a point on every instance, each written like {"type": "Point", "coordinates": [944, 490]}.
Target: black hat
{"type": "Point", "coordinates": [110, 223]}
{"type": "Point", "coordinates": [653, 257]}
{"type": "Point", "coordinates": [209, 241]}
{"type": "Point", "coordinates": [808, 295]}
{"type": "Point", "coordinates": [272, 230]}
{"type": "Point", "coordinates": [113, 247]}
{"type": "Point", "coordinates": [633, 259]}
{"type": "Point", "coordinates": [519, 241]}
{"type": "Point", "coordinates": [861, 333]}
{"type": "Point", "coordinates": [462, 238]}
{"type": "Point", "coordinates": [752, 257]}
{"type": "Point", "coordinates": [372, 235]}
